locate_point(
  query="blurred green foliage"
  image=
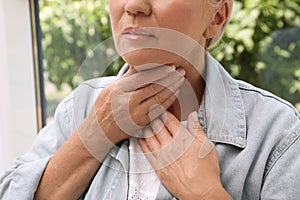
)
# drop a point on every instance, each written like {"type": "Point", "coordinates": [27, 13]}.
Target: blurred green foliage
{"type": "Point", "coordinates": [72, 31]}
{"type": "Point", "coordinates": [261, 44]}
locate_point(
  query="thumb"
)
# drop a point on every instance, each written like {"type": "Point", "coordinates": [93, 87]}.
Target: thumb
{"type": "Point", "coordinates": [196, 130]}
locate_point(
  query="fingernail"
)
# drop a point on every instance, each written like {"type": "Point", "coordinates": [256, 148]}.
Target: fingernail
{"type": "Point", "coordinates": [140, 141]}
{"type": "Point", "coordinates": [181, 71]}
{"type": "Point", "coordinates": [194, 116]}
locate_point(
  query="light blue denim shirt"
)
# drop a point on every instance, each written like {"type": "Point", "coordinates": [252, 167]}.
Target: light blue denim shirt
{"type": "Point", "coordinates": [256, 136]}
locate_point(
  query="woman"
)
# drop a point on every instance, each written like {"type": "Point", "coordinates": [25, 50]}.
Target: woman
{"type": "Point", "coordinates": [102, 133]}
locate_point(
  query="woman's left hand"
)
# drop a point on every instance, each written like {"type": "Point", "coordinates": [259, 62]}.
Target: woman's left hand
{"type": "Point", "coordinates": [184, 159]}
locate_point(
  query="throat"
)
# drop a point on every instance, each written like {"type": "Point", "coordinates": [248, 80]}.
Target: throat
{"type": "Point", "coordinates": [188, 100]}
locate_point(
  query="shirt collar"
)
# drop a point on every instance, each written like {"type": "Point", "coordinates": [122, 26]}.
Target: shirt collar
{"type": "Point", "coordinates": [123, 70]}
{"type": "Point", "coordinates": [221, 112]}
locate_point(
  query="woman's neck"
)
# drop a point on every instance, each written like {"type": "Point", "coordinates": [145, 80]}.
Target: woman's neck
{"type": "Point", "coordinates": [190, 95]}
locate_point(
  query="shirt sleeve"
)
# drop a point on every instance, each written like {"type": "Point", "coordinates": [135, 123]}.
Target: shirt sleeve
{"type": "Point", "coordinates": [283, 178]}
{"type": "Point", "coordinates": [21, 181]}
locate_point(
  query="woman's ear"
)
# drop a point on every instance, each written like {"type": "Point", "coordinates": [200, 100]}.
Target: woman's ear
{"type": "Point", "coordinates": [220, 17]}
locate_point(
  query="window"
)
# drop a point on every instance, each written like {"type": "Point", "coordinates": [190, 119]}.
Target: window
{"type": "Point", "coordinates": [18, 124]}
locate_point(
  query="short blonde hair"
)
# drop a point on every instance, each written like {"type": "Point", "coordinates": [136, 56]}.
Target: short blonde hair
{"type": "Point", "coordinates": [210, 42]}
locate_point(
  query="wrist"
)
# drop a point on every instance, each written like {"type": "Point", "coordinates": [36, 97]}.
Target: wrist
{"type": "Point", "coordinates": [216, 192]}
{"type": "Point", "coordinates": [93, 138]}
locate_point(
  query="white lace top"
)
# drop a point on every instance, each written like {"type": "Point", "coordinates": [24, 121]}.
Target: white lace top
{"type": "Point", "coordinates": [143, 181]}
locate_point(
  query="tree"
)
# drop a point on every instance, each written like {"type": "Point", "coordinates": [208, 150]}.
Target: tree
{"type": "Point", "coordinates": [255, 46]}
{"type": "Point", "coordinates": [258, 46]}
{"type": "Point", "coordinates": [72, 29]}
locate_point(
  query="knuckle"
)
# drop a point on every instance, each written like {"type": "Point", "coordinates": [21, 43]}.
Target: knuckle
{"type": "Point", "coordinates": [158, 98]}
{"type": "Point", "coordinates": [155, 88]}
{"type": "Point", "coordinates": [152, 89]}
{"type": "Point", "coordinates": [164, 94]}
{"type": "Point", "coordinates": [162, 82]}
{"type": "Point", "coordinates": [139, 77]}
{"type": "Point", "coordinates": [142, 121]}
{"type": "Point", "coordinates": [169, 101]}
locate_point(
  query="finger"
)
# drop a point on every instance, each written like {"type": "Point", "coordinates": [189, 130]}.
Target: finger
{"type": "Point", "coordinates": [156, 159]}
{"type": "Point", "coordinates": [172, 123]}
{"type": "Point", "coordinates": [143, 78]}
{"type": "Point", "coordinates": [194, 126]}
{"type": "Point", "coordinates": [151, 156]}
{"type": "Point", "coordinates": [162, 134]}
{"type": "Point", "coordinates": [162, 96]}
{"type": "Point", "coordinates": [172, 82]}
{"type": "Point", "coordinates": [196, 130]}
{"type": "Point", "coordinates": [159, 97]}
{"type": "Point", "coordinates": [157, 110]}
{"type": "Point", "coordinates": [144, 146]}
{"type": "Point", "coordinates": [150, 139]}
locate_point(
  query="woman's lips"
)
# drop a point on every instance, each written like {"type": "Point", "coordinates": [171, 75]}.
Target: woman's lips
{"type": "Point", "coordinates": [133, 33]}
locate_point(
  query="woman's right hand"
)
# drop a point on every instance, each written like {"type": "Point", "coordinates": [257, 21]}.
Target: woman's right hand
{"type": "Point", "coordinates": [123, 105]}
{"type": "Point", "coordinates": [133, 101]}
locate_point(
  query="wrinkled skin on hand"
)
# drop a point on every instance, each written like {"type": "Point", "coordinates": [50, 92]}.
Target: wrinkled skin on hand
{"type": "Point", "coordinates": [127, 105]}
{"type": "Point", "coordinates": [185, 160]}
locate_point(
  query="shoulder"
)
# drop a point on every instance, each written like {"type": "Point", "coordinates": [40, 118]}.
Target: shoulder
{"type": "Point", "coordinates": [97, 83]}
{"type": "Point", "coordinates": [258, 100]}
{"type": "Point", "coordinates": [75, 106]}
{"type": "Point", "coordinates": [88, 90]}
{"type": "Point", "coordinates": [275, 119]}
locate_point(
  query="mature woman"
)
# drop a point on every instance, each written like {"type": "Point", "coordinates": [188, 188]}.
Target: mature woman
{"type": "Point", "coordinates": [137, 136]}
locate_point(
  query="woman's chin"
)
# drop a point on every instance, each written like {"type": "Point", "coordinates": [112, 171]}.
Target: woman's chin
{"type": "Point", "coordinates": [149, 57]}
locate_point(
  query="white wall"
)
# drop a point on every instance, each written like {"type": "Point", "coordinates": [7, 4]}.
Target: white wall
{"type": "Point", "coordinates": [17, 98]}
